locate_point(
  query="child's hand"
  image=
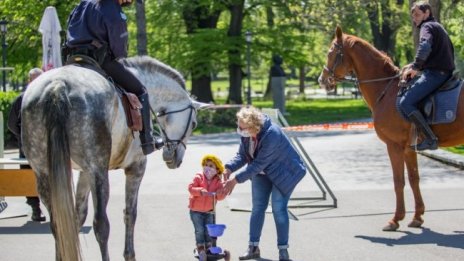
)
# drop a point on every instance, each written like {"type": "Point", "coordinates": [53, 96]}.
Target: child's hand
{"type": "Point", "coordinates": [206, 193]}
{"type": "Point", "coordinates": [220, 191]}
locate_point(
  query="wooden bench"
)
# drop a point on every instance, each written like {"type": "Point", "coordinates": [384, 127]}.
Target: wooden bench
{"type": "Point", "coordinates": [15, 181]}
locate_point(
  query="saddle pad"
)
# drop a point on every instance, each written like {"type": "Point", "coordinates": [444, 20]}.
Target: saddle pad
{"type": "Point", "coordinates": [132, 108]}
{"type": "Point", "coordinates": [445, 104]}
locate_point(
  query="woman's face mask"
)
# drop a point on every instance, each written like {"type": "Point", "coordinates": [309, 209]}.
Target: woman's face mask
{"type": "Point", "coordinates": [243, 133]}
{"type": "Point", "coordinates": [209, 172]}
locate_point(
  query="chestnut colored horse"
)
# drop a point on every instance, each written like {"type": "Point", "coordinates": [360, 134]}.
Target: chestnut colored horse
{"type": "Point", "coordinates": [377, 79]}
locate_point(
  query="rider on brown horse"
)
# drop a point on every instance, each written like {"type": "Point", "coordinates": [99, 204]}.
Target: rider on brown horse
{"type": "Point", "coordinates": [435, 59]}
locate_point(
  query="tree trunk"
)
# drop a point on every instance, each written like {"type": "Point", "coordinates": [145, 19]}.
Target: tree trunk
{"type": "Point", "coordinates": [198, 88]}
{"type": "Point", "coordinates": [301, 77]}
{"type": "Point", "coordinates": [196, 17]}
{"type": "Point", "coordinates": [270, 23]}
{"type": "Point", "coordinates": [235, 68]}
{"type": "Point", "coordinates": [141, 28]}
{"type": "Point", "coordinates": [383, 32]}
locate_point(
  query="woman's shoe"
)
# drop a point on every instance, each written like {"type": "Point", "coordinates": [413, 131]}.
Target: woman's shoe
{"type": "Point", "coordinates": [283, 255]}
{"type": "Point", "coordinates": [251, 253]}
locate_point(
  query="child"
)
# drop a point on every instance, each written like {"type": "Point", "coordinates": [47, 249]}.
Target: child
{"type": "Point", "coordinates": [201, 202]}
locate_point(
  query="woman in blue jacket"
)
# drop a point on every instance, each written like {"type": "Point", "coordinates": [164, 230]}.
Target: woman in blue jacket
{"type": "Point", "coordinates": [274, 168]}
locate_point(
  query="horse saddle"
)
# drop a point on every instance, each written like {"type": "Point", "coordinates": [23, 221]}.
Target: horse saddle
{"type": "Point", "coordinates": [130, 102]}
{"type": "Point", "coordinates": [440, 107]}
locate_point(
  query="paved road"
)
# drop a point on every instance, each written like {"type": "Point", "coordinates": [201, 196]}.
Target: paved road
{"type": "Point", "coordinates": [354, 165]}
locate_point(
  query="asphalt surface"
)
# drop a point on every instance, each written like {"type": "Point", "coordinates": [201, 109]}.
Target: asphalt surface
{"type": "Point", "coordinates": [353, 163]}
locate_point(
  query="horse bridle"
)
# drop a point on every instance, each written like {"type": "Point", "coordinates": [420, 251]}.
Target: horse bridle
{"type": "Point", "coordinates": [338, 60]}
{"type": "Point", "coordinates": [171, 143]}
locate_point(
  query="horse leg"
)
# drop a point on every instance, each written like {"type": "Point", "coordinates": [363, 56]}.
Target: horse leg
{"type": "Point", "coordinates": [413, 174]}
{"type": "Point", "coordinates": [396, 155]}
{"type": "Point", "coordinates": [82, 197]}
{"type": "Point", "coordinates": [101, 224]}
{"type": "Point", "coordinates": [134, 175]}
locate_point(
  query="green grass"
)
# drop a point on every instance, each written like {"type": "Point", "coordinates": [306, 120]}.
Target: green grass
{"type": "Point", "coordinates": [322, 110]}
{"type": "Point", "coordinates": [457, 149]}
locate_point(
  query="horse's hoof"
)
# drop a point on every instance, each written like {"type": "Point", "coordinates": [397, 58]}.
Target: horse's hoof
{"type": "Point", "coordinates": [416, 223]}
{"type": "Point", "coordinates": [391, 226]}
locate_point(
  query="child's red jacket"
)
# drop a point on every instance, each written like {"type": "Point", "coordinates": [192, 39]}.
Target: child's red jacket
{"type": "Point", "coordinates": [200, 203]}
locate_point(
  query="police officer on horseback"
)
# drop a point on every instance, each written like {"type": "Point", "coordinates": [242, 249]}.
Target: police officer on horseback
{"type": "Point", "coordinates": [435, 59]}
{"type": "Point", "coordinates": [98, 29]}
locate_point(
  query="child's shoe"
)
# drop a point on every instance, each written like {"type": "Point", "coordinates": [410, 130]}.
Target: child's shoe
{"type": "Point", "coordinates": [201, 253]}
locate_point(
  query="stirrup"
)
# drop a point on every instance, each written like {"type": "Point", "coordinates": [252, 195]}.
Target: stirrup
{"type": "Point", "coordinates": [428, 144]}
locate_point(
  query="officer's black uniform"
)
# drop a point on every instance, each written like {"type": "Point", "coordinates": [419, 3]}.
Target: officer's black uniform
{"type": "Point", "coordinates": [99, 26]}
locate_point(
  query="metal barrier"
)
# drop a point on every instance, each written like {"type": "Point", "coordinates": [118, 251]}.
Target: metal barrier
{"type": "Point", "coordinates": [279, 119]}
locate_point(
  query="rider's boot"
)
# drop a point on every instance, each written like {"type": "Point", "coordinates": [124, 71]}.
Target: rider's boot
{"type": "Point", "coordinates": [431, 141]}
{"type": "Point", "coordinates": [146, 137]}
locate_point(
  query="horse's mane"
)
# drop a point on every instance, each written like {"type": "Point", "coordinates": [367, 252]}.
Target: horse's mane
{"type": "Point", "coordinates": [152, 65]}
{"type": "Point", "coordinates": [351, 40]}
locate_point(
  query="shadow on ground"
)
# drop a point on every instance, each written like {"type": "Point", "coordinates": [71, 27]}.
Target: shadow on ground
{"type": "Point", "coordinates": [427, 236]}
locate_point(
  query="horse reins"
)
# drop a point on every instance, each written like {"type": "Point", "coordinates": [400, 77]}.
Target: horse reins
{"type": "Point", "coordinates": [172, 144]}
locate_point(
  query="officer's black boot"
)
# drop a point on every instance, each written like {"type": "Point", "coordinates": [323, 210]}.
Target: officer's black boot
{"type": "Point", "coordinates": [146, 138]}
{"type": "Point", "coordinates": [34, 202]}
{"type": "Point", "coordinates": [431, 141]}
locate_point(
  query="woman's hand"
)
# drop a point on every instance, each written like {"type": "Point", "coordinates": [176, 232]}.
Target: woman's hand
{"type": "Point", "coordinates": [226, 173]}
{"type": "Point", "coordinates": [229, 186]}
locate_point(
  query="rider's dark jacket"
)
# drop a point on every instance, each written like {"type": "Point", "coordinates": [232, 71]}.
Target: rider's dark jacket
{"type": "Point", "coordinates": [99, 20]}
{"type": "Point", "coordinates": [435, 51]}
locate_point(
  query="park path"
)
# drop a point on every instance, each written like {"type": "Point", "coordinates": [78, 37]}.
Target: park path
{"type": "Point", "coordinates": [353, 163]}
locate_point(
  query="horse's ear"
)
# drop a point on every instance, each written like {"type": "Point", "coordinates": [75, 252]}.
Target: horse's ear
{"type": "Point", "coordinates": [201, 105]}
{"type": "Point", "coordinates": [339, 33]}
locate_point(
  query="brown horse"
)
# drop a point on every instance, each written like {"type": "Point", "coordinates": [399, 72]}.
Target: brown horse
{"type": "Point", "coordinates": [377, 79]}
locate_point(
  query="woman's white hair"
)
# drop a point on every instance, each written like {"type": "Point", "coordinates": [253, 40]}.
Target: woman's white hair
{"type": "Point", "coordinates": [34, 72]}
{"type": "Point", "coordinates": [252, 117]}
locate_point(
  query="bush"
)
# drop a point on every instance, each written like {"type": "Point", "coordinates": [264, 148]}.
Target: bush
{"type": "Point", "coordinates": [6, 99]}
{"type": "Point", "coordinates": [214, 121]}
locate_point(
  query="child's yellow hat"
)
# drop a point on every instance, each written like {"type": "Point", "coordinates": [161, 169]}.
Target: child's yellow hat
{"type": "Point", "coordinates": [215, 160]}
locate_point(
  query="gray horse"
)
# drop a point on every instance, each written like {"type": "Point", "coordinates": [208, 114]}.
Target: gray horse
{"type": "Point", "coordinates": [72, 118]}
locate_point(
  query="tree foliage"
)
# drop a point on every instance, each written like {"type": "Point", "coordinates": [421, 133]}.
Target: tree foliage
{"type": "Point", "coordinates": [195, 36]}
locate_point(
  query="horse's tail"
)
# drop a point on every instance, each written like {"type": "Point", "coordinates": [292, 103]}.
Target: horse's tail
{"type": "Point", "coordinates": [64, 218]}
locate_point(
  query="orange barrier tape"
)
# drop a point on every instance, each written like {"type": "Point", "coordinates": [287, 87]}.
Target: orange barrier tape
{"type": "Point", "coordinates": [332, 126]}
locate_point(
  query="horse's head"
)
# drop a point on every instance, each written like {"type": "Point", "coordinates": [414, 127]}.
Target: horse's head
{"type": "Point", "coordinates": [176, 123]}
{"type": "Point", "coordinates": [338, 66]}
